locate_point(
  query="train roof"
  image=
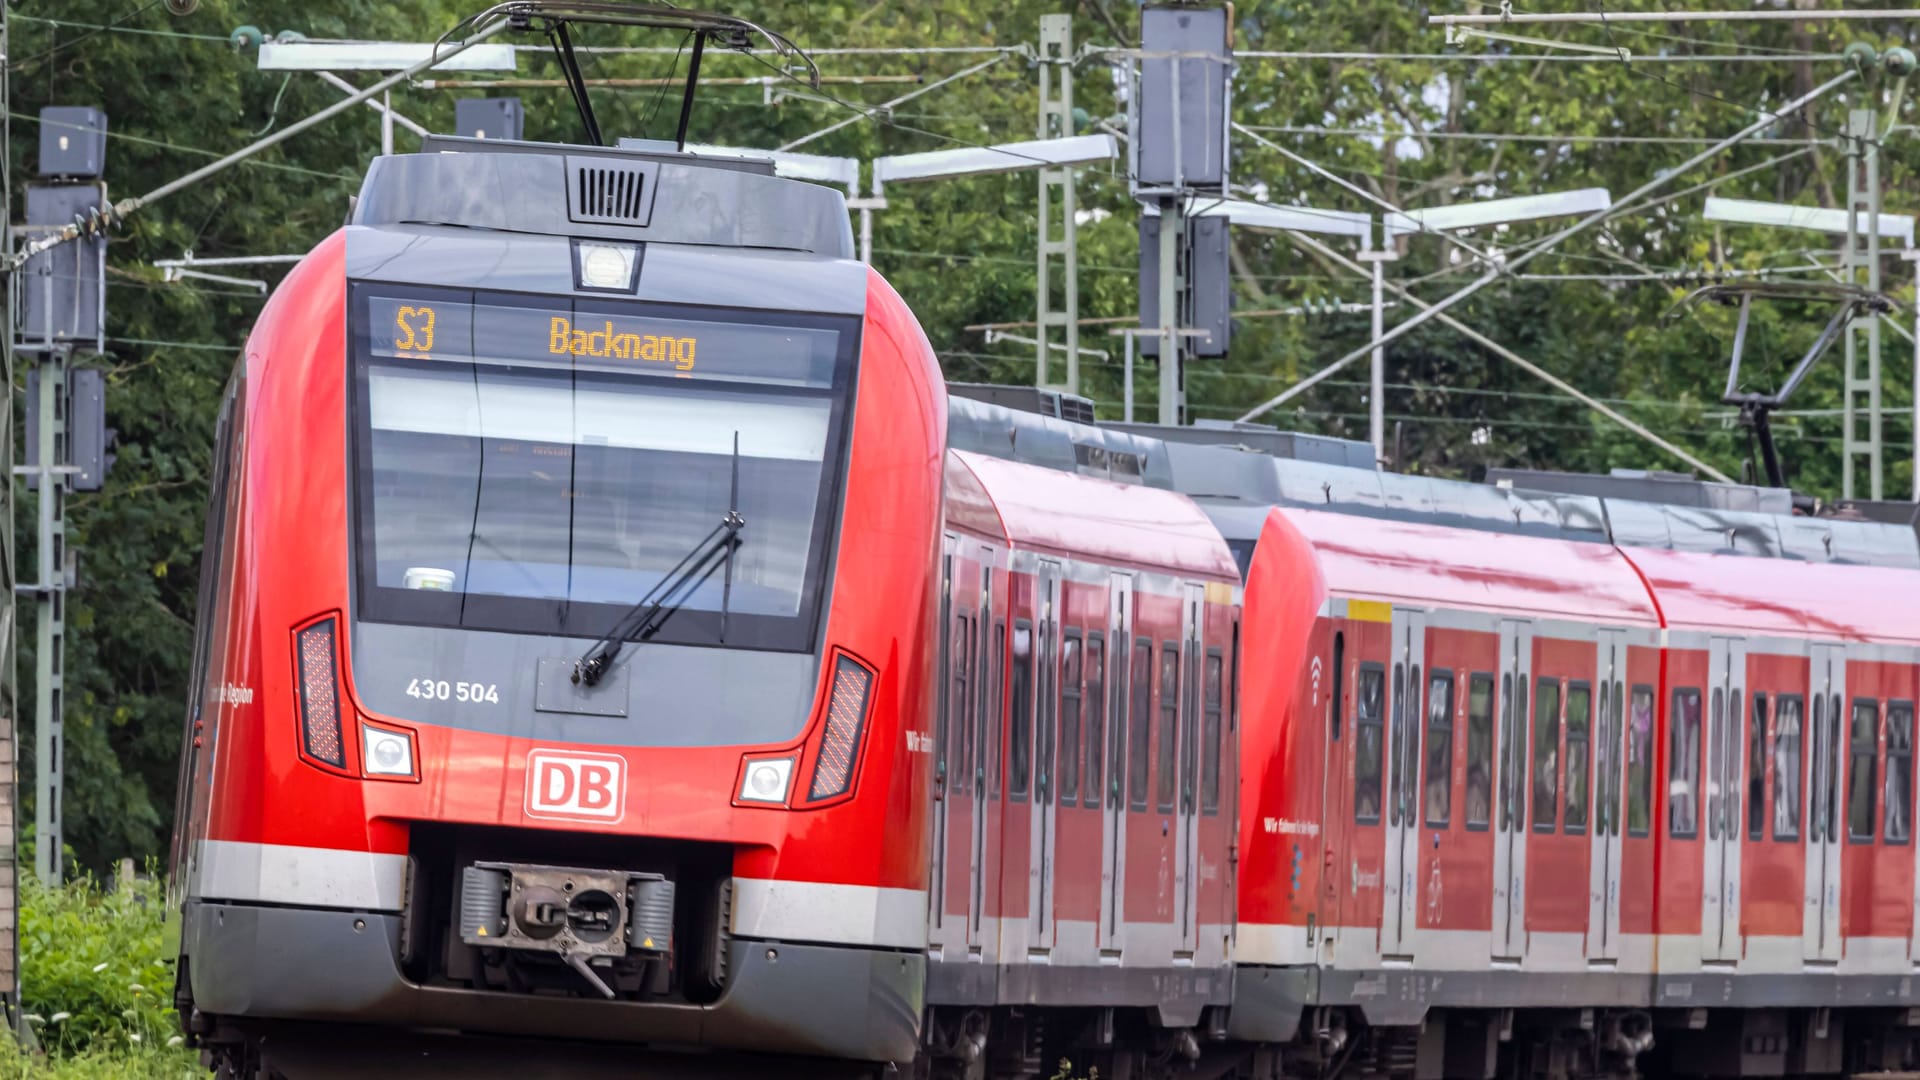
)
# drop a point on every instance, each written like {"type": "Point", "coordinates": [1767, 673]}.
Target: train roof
{"type": "Point", "coordinates": [1793, 599]}
{"type": "Point", "coordinates": [1236, 475]}
{"type": "Point", "coordinates": [616, 193]}
{"type": "Point", "coordinates": [1118, 524]}
{"type": "Point", "coordinates": [1506, 572]}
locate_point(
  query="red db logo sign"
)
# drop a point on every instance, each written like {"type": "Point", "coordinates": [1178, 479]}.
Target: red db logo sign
{"type": "Point", "coordinates": [566, 784]}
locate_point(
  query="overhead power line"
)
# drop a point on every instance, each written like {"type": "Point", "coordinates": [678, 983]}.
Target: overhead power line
{"type": "Point", "coordinates": [1480, 136]}
{"type": "Point", "coordinates": [1588, 18]}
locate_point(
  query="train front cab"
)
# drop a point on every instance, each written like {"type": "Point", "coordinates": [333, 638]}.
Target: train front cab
{"type": "Point", "coordinates": [466, 438]}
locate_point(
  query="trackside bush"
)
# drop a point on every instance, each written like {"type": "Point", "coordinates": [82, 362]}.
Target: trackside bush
{"type": "Point", "coordinates": [96, 980]}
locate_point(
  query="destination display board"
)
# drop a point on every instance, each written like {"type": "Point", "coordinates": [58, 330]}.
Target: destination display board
{"type": "Point", "coordinates": [597, 335]}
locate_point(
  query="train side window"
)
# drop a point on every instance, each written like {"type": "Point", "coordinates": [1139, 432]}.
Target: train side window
{"type": "Point", "coordinates": [1817, 816]}
{"type": "Point", "coordinates": [1546, 754]}
{"type": "Point", "coordinates": [1757, 770]}
{"type": "Point", "coordinates": [1339, 677]}
{"type": "Point", "coordinates": [1899, 824]}
{"type": "Point", "coordinates": [1683, 765]}
{"type": "Point", "coordinates": [1167, 750]}
{"type": "Point", "coordinates": [1210, 736]}
{"type": "Point", "coordinates": [996, 705]}
{"type": "Point", "coordinates": [1510, 783]}
{"type": "Point", "coordinates": [1096, 706]}
{"type": "Point", "coordinates": [1730, 823]}
{"type": "Point", "coordinates": [1579, 735]}
{"type": "Point", "coordinates": [1788, 719]}
{"type": "Point", "coordinates": [1139, 724]}
{"type": "Point", "coordinates": [1070, 751]}
{"type": "Point", "coordinates": [1397, 737]}
{"type": "Point", "coordinates": [1716, 757]}
{"type": "Point", "coordinates": [1640, 762]}
{"type": "Point", "coordinates": [1479, 750]}
{"type": "Point", "coordinates": [1046, 716]}
{"type": "Point", "coordinates": [1367, 742]}
{"type": "Point", "coordinates": [1862, 774]}
{"type": "Point", "coordinates": [1020, 737]}
{"type": "Point", "coordinates": [1438, 792]}
{"type": "Point", "coordinates": [953, 760]}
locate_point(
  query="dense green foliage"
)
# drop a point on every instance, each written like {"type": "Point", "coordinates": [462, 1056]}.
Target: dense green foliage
{"type": "Point", "coordinates": [97, 980]}
{"type": "Point", "coordinates": [963, 252]}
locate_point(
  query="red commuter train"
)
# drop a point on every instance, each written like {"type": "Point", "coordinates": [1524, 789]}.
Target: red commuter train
{"type": "Point", "coordinates": [614, 641]}
{"type": "Point", "coordinates": [630, 407]}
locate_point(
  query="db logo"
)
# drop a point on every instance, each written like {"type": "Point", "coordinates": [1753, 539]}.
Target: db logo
{"type": "Point", "coordinates": [563, 784]}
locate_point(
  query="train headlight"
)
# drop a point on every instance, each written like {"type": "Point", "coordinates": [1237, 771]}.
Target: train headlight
{"type": "Point", "coordinates": [766, 780]}
{"type": "Point", "coordinates": [386, 752]}
{"type": "Point", "coordinates": [601, 265]}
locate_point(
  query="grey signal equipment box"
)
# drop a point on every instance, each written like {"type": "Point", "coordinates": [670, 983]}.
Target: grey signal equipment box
{"type": "Point", "coordinates": [489, 118]}
{"type": "Point", "coordinates": [1191, 49]}
{"type": "Point", "coordinates": [87, 432]}
{"type": "Point", "coordinates": [1208, 301]}
{"type": "Point", "coordinates": [63, 289]}
{"type": "Point", "coordinates": [73, 142]}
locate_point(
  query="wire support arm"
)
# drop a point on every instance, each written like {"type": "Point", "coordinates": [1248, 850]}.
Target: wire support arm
{"type": "Point", "coordinates": [1516, 261]}
{"type": "Point", "coordinates": [127, 207]}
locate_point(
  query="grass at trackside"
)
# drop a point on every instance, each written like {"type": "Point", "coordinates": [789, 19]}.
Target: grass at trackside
{"type": "Point", "coordinates": [96, 981]}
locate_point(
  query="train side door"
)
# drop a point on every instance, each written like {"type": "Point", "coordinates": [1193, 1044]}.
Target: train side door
{"type": "Point", "coordinates": [1046, 740]}
{"type": "Point", "coordinates": [1603, 909]}
{"type": "Point", "coordinates": [986, 728]}
{"type": "Point", "coordinates": [1820, 929]}
{"type": "Point", "coordinates": [1725, 749]}
{"type": "Point", "coordinates": [944, 756]}
{"type": "Point", "coordinates": [1113, 812]}
{"type": "Point", "coordinates": [1510, 816]}
{"type": "Point", "coordinates": [1398, 916]}
{"type": "Point", "coordinates": [1186, 875]}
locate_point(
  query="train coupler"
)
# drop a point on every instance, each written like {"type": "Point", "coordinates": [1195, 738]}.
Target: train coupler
{"type": "Point", "coordinates": [582, 917]}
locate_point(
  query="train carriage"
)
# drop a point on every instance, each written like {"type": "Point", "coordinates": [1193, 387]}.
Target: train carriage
{"type": "Point", "coordinates": [1087, 812]}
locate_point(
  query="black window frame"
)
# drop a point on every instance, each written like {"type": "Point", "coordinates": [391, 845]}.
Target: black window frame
{"type": "Point", "coordinates": [1897, 707]}
{"type": "Point", "coordinates": [996, 723]}
{"type": "Point", "coordinates": [1799, 826]}
{"type": "Point", "coordinates": [1485, 761]}
{"type": "Point", "coordinates": [1067, 764]}
{"type": "Point", "coordinates": [1438, 721]}
{"type": "Point", "coordinates": [1872, 754]}
{"type": "Point", "coordinates": [1093, 723]}
{"type": "Point", "coordinates": [1640, 758]}
{"type": "Point", "coordinates": [1020, 716]}
{"type": "Point", "coordinates": [1548, 769]}
{"type": "Point", "coordinates": [1676, 731]}
{"type": "Point", "coordinates": [1166, 740]}
{"type": "Point", "coordinates": [1757, 758]}
{"type": "Point", "coordinates": [1396, 743]}
{"type": "Point", "coordinates": [1378, 723]}
{"type": "Point", "coordinates": [1141, 673]}
{"type": "Point", "coordinates": [547, 616]}
{"type": "Point", "coordinates": [1585, 766]}
{"type": "Point", "coordinates": [1213, 708]}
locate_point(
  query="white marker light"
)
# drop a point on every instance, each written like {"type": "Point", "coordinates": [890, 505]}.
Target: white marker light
{"type": "Point", "coordinates": [606, 266]}
{"type": "Point", "coordinates": [766, 780]}
{"type": "Point", "coordinates": [386, 753]}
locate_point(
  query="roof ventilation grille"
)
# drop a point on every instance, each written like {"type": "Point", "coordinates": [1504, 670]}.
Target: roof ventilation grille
{"type": "Point", "coordinates": [610, 193]}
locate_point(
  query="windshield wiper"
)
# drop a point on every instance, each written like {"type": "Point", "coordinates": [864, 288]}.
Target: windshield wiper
{"type": "Point", "coordinates": [645, 618]}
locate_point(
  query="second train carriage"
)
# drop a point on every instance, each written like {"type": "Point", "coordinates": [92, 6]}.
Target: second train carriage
{"type": "Point", "coordinates": [1505, 751]}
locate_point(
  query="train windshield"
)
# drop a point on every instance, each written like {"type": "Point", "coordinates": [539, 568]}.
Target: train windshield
{"type": "Point", "coordinates": [537, 465]}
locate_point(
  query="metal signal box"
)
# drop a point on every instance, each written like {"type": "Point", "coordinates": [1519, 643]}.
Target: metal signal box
{"type": "Point", "coordinates": [489, 118]}
{"type": "Point", "coordinates": [73, 142]}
